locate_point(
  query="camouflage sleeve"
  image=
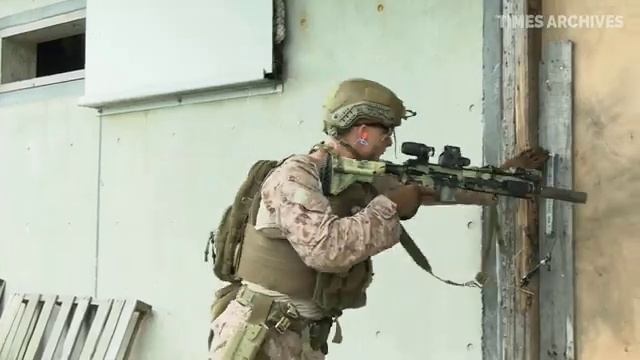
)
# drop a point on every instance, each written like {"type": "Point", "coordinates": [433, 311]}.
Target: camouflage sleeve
{"type": "Point", "coordinates": [325, 242]}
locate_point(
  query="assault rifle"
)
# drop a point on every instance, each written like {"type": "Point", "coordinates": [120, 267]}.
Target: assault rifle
{"type": "Point", "coordinates": [450, 173]}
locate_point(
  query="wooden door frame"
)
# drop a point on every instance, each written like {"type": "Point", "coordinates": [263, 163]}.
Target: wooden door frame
{"type": "Point", "coordinates": [511, 55]}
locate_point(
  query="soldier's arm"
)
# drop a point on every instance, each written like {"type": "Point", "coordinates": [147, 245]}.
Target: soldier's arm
{"type": "Point", "coordinates": [324, 241]}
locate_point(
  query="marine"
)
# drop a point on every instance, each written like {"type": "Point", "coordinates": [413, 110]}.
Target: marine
{"type": "Point", "coordinates": [302, 257]}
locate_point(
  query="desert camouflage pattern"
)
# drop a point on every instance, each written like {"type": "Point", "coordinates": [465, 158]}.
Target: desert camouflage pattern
{"type": "Point", "coordinates": [294, 207]}
{"type": "Point", "coordinates": [286, 346]}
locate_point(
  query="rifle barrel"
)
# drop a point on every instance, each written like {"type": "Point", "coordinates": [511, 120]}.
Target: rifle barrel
{"type": "Point", "coordinates": [564, 195]}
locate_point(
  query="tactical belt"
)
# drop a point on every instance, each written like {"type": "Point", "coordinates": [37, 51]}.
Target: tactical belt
{"type": "Point", "coordinates": [278, 315]}
{"type": "Point", "coordinates": [282, 316]}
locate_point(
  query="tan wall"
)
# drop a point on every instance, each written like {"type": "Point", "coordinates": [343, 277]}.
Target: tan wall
{"type": "Point", "coordinates": [607, 159]}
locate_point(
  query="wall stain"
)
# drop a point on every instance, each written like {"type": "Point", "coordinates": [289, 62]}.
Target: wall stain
{"type": "Point", "coordinates": [606, 168]}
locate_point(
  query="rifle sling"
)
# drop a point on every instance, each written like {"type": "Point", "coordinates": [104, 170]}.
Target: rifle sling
{"type": "Point", "coordinates": [421, 260]}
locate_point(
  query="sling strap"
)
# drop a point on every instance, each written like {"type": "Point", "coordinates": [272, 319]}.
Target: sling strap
{"type": "Point", "coordinates": [421, 260]}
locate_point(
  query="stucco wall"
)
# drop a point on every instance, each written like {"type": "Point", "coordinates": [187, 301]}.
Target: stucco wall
{"type": "Point", "coordinates": [48, 182]}
{"type": "Point", "coordinates": [167, 174]}
{"type": "Point", "coordinates": [606, 130]}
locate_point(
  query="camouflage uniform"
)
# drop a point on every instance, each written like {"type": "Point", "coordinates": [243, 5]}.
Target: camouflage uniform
{"type": "Point", "coordinates": [287, 346]}
{"type": "Point", "coordinates": [294, 207]}
{"type": "Point", "coordinates": [293, 203]}
{"type": "Point", "coordinates": [313, 249]}
{"type": "Point", "coordinates": [320, 246]}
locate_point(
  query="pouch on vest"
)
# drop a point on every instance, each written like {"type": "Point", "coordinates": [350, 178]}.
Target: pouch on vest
{"type": "Point", "coordinates": [335, 292]}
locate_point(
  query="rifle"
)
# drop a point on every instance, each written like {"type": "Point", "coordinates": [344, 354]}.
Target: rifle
{"type": "Point", "coordinates": [450, 173]}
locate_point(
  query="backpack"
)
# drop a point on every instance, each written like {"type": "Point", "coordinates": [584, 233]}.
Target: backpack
{"type": "Point", "coordinates": [226, 240]}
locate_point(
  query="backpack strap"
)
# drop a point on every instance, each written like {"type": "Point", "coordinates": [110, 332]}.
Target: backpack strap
{"type": "Point", "coordinates": [255, 204]}
{"type": "Point", "coordinates": [325, 169]}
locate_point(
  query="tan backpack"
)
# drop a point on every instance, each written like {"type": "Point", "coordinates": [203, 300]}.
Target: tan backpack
{"type": "Point", "coordinates": [226, 240]}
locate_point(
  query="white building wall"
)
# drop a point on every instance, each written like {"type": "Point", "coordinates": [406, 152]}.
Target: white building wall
{"type": "Point", "coordinates": [48, 191]}
{"type": "Point", "coordinates": [12, 7]}
{"type": "Point", "coordinates": [167, 174]}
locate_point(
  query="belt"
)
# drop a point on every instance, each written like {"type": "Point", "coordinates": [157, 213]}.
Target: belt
{"type": "Point", "coordinates": [278, 315]}
{"type": "Point", "coordinates": [282, 316]}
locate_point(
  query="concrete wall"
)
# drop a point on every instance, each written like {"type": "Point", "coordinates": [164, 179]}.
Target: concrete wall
{"type": "Point", "coordinates": [12, 7]}
{"type": "Point", "coordinates": [166, 175]}
{"type": "Point", "coordinates": [606, 132]}
{"type": "Point", "coordinates": [48, 196]}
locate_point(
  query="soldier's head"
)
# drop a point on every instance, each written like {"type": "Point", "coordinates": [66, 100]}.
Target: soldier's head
{"type": "Point", "coordinates": [362, 116]}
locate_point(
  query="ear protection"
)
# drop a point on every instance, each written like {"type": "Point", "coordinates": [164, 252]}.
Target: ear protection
{"type": "Point", "coordinates": [363, 138]}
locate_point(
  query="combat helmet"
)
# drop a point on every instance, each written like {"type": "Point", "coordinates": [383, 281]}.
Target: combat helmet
{"type": "Point", "coordinates": [362, 101]}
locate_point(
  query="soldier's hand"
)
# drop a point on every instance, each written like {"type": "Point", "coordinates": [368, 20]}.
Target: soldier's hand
{"type": "Point", "coordinates": [528, 159]}
{"type": "Point", "coordinates": [408, 199]}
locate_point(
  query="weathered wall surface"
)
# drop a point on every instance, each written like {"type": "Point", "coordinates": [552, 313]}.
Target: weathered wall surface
{"type": "Point", "coordinates": [167, 174]}
{"type": "Point", "coordinates": [48, 190]}
{"type": "Point", "coordinates": [606, 135]}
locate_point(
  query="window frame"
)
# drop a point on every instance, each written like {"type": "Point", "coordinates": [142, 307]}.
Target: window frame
{"type": "Point", "coordinates": [42, 25]}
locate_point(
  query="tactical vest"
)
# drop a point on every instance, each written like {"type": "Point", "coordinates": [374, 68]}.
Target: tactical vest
{"type": "Point", "coordinates": [274, 264]}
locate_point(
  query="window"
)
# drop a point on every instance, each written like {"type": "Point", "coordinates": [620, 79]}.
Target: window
{"type": "Point", "coordinates": [181, 52]}
{"type": "Point", "coordinates": [43, 52]}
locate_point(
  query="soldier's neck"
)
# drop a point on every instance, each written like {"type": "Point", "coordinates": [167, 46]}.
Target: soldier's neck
{"type": "Point", "coordinates": [342, 148]}
{"type": "Point", "coordinates": [337, 147]}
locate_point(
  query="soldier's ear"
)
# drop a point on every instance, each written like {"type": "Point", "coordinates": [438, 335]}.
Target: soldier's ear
{"type": "Point", "coordinates": [363, 132]}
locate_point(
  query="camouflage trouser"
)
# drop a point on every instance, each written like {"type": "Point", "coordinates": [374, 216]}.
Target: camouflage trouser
{"type": "Point", "coordinates": [286, 346]}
